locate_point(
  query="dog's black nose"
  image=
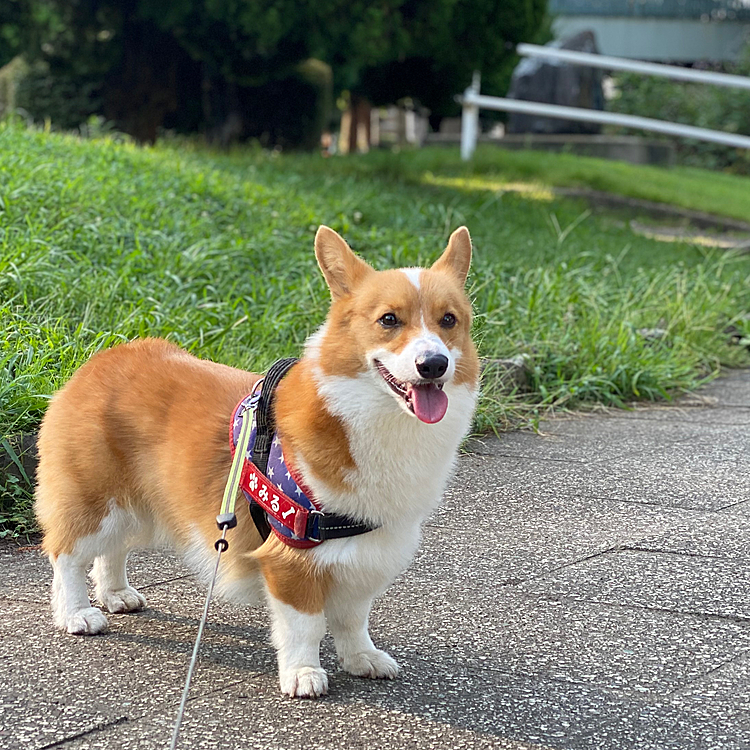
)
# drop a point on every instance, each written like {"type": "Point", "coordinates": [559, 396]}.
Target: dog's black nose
{"type": "Point", "coordinates": [432, 366]}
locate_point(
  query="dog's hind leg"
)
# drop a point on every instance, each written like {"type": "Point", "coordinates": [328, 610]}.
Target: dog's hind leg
{"type": "Point", "coordinates": [110, 576]}
{"type": "Point", "coordinates": [71, 607]}
{"type": "Point", "coordinates": [115, 537]}
{"type": "Point", "coordinates": [108, 546]}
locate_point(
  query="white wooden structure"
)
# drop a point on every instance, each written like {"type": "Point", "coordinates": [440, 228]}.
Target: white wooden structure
{"type": "Point", "coordinates": [473, 101]}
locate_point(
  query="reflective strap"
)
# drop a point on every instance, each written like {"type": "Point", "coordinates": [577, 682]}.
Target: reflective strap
{"type": "Point", "coordinates": [235, 473]}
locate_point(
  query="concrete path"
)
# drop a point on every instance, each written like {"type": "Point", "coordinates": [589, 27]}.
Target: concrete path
{"type": "Point", "coordinates": [584, 588]}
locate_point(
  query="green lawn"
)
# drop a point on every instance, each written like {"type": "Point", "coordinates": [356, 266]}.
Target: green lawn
{"type": "Point", "coordinates": [101, 242]}
{"type": "Point", "coordinates": [492, 168]}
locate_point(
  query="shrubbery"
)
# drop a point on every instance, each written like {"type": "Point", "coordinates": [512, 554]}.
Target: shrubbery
{"type": "Point", "coordinates": [701, 105]}
{"type": "Point", "coordinates": [242, 70]}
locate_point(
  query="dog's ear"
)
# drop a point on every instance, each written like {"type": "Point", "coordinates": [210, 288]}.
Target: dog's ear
{"type": "Point", "coordinates": [456, 258]}
{"type": "Point", "coordinates": [342, 269]}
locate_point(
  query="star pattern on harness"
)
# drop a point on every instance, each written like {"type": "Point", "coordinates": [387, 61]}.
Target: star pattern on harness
{"type": "Point", "coordinates": [278, 471]}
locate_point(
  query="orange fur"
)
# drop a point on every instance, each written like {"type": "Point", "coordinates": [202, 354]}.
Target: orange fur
{"type": "Point", "coordinates": [291, 577]}
{"type": "Point", "coordinates": [145, 424]}
{"type": "Point", "coordinates": [391, 291]}
{"type": "Point", "coordinates": [308, 429]}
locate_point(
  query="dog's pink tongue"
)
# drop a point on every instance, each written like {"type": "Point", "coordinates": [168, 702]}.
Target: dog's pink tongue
{"type": "Point", "coordinates": [429, 401]}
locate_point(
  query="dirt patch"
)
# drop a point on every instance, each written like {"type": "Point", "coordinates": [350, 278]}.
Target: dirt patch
{"type": "Point", "coordinates": [724, 240]}
{"type": "Point", "coordinates": [698, 219]}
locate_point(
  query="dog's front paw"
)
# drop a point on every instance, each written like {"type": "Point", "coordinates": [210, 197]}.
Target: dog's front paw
{"type": "Point", "coordinates": [89, 621]}
{"type": "Point", "coordinates": [124, 600]}
{"type": "Point", "coordinates": [305, 682]}
{"type": "Point", "coordinates": [375, 664]}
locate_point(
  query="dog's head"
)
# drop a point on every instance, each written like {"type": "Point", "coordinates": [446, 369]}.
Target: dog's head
{"type": "Point", "coordinates": [408, 329]}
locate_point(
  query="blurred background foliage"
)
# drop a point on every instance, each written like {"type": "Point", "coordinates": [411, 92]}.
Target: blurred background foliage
{"type": "Point", "coordinates": [241, 68]}
{"type": "Point", "coordinates": [713, 107]}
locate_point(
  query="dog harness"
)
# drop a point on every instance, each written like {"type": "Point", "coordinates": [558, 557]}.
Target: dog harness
{"type": "Point", "coordinates": [279, 499]}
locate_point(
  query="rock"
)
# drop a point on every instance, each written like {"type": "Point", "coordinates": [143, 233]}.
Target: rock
{"type": "Point", "coordinates": [509, 375]}
{"type": "Point", "coordinates": [738, 335]}
{"type": "Point", "coordinates": [24, 448]}
{"type": "Point", "coordinates": [555, 82]}
{"type": "Point", "coordinates": [652, 335]}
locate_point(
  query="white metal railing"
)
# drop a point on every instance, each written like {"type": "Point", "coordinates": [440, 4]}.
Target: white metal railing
{"type": "Point", "coordinates": [473, 101]}
{"type": "Point", "coordinates": [634, 66]}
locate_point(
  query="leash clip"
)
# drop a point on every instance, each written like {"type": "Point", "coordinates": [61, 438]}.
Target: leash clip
{"type": "Point", "coordinates": [226, 521]}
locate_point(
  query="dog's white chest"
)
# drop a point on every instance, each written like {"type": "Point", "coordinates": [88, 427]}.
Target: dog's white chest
{"type": "Point", "coordinates": [402, 467]}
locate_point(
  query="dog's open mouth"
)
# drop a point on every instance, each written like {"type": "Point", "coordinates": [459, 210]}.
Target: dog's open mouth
{"type": "Point", "coordinates": [425, 399]}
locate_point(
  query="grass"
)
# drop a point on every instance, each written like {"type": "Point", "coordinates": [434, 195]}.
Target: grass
{"type": "Point", "coordinates": [492, 169]}
{"type": "Point", "coordinates": [101, 242]}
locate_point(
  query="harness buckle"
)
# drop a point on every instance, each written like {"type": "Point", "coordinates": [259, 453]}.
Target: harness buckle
{"type": "Point", "coordinates": [311, 513]}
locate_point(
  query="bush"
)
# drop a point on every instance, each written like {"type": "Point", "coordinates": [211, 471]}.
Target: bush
{"type": "Point", "coordinates": [701, 105]}
{"type": "Point", "coordinates": [67, 101]}
{"type": "Point", "coordinates": [291, 112]}
{"type": "Point", "coordinates": [10, 76]}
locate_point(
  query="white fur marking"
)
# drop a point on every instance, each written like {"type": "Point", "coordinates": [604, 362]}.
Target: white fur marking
{"type": "Point", "coordinates": [413, 275]}
{"type": "Point", "coordinates": [403, 365]}
{"type": "Point", "coordinates": [312, 345]}
{"type": "Point", "coordinates": [200, 557]}
{"type": "Point", "coordinates": [297, 637]}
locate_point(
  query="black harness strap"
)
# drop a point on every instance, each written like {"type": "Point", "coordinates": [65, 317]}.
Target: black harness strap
{"type": "Point", "coordinates": [265, 420]}
{"type": "Point", "coordinates": [265, 427]}
{"type": "Point", "coordinates": [260, 520]}
{"type": "Point", "coordinates": [332, 526]}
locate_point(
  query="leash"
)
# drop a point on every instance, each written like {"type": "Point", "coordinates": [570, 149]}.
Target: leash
{"type": "Point", "coordinates": [221, 546]}
{"type": "Point", "coordinates": [225, 520]}
{"type": "Point", "coordinates": [310, 524]}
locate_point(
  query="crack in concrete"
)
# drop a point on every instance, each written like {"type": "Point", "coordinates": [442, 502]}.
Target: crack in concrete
{"type": "Point", "coordinates": [708, 616]}
{"type": "Point", "coordinates": [684, 688]}
{"type": "Point", "coordinates": [165, 581]}
{"type": "Point", "coordinates": [676, 553]}
{"type": "Point", "coordinates": [98, 728]}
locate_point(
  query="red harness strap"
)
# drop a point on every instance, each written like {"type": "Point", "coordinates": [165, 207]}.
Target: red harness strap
{"type": "Point", "coordinates": [292, 515]}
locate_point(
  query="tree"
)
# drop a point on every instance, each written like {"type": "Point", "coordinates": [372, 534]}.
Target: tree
{"type": "Point", "coordinates": [13, 19]}
{"type": "Point", "coordinates": [196, 64]}
{"type": "Point", "coordinates": [444, 42]}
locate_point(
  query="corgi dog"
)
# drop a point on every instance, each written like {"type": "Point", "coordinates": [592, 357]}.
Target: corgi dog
{"type": "Point", "coordinates": [133, 452]}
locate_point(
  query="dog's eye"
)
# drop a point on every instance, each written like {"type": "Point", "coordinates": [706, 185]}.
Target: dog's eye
{"type": "Point", "coordinates": [389, 320]}
{"type": "Point", "coordinates": [448, 320]}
